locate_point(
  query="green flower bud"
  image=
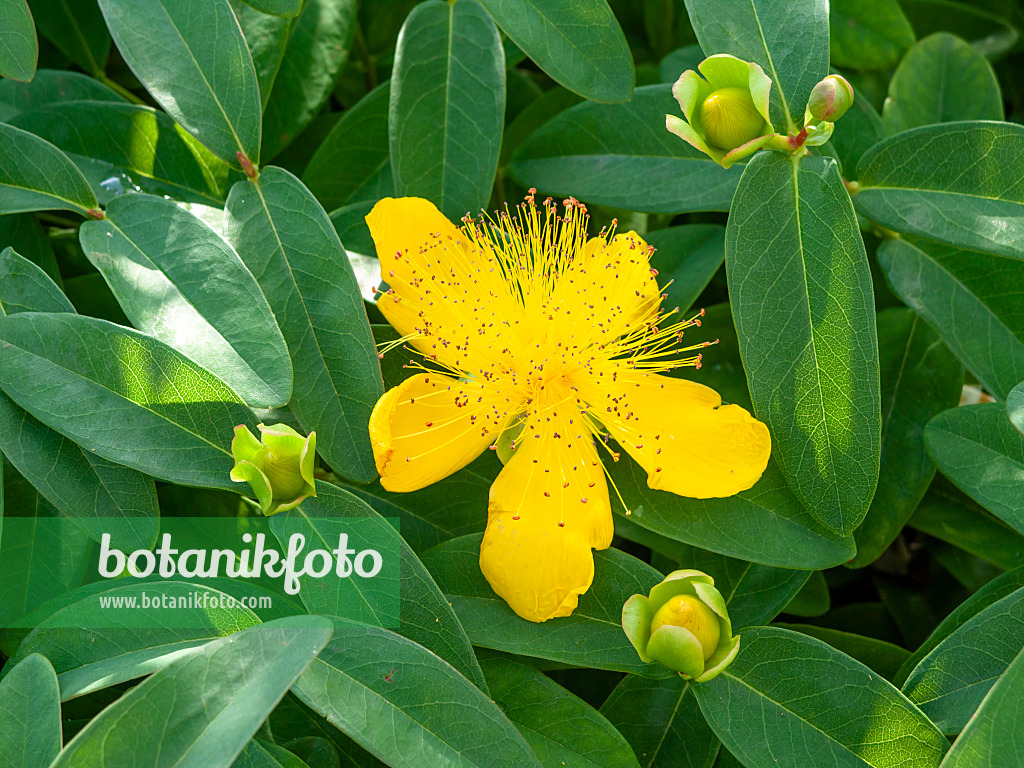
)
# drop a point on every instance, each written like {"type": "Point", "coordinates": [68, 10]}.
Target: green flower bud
{"type": "Point", "coordinates": [726, 110]}
{"type": "Point", "coordinates": [730, 119]}
{"type": "Point", "coordinates": [830, 99]}
{"type": "Point", "coordinates": [278, 466]}
{"type": "Point", "coordinates": [682, 623]}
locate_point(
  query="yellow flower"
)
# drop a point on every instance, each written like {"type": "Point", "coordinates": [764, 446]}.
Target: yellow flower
{"type": "Point", "coordinates": [561, 337]}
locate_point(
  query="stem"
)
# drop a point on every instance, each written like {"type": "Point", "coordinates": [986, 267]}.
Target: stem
{"type": "Point", "coordinates": [798, 140]}
{"type": "Point", "coordinates": [121, 90]}
{"type": "Point", "coordinates": [369, 70]}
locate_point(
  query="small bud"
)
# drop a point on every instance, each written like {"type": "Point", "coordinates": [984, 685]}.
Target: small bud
{"type": "Point", "coordinates": [830, 99]}
{"type": "Point", "coordinates": [278, 466]}
{"type": "Point", "coordinates": [730, 119]}
{"type": "Point", "coordinates": [682, 623]}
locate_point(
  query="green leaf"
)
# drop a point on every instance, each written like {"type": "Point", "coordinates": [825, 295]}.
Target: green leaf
{"type": "Point", "coordinates": [289, 244]}
{"type": "Point", "coordinates": [920, 378]}
{"type": "Point", "coordinates": [885, 658]}
{"type": "Point", "coordinates": [23, 233]}
{"type": "Point", "coordinates": [318, 44]}
{"type": "Point", "coordinates": [313, 751]}
{"type": "Point", "coordinates": [951, 679]}
{"type": "Point", "coordinates": [292, 716]}
{"type": "Point", "coordinates": [942, 79]}
{"type": "Point", "coordinates": [958, 183]}
{"type": "Point", "coordinates": [88, 660]}
{"type": "Point", "coordinates": [766, 524]}
{"type": "Point", "coordinates": [993, 592]}
{"type": "Point", "coordinates": [813, 598]}
{"type": "Point", "coordinates": [689, 256]}
{"type": "Point", "coordinates": [975, 302]}
{"type": "Point", "coordinates": [966, 525]}
{"type": "Point", "coordinates": [993, 736]}
{"type": "Point", "coordinates": [276, 7]}
{"type": "Point", "coordinates": [764, 31]}
{"type": "Point", "coordinates": [452, 507]}
{"type": "Point", "coordinates": [349, 222]}
{"type": "Point", "coordinates": [562, 728]}
{"type": "Point", "coordinates": [800, 288]}
{"type": "Point", "coordinates": [592, 636]}
{"type": "Point", "coordinates": [353, 164]}
{"type": "Point", "coordinates": [677, 62]}
{"type": "Point", "coordinates": [36, 176]}
{"type": "Point", "coordinates": [977, 448]}
{"type": "Point", "coordinates": [580, 44]}
{"type": "Point", "coordinates": [51, 86]}
{"type": "Point", "coordinates": [621, 156]}
{"type": "Point", "coordinates": [19, 48]}
{"type": "Point", "coordinates": [1015, 406]}
{"type": "Point", "coordinates": [77, 28]}
{"type": "Point", "coordinates": [178, 281]}
{"type": "Point", "coordinates": [426, 617]}
{"type": "Point", "coordinates": [145, 144]}
{"type": "Point", "coordinates": [989, 33]}
{"type": "Point", "coordinates": [256, 755]}
{"type": "Point", "coordinates": [210, 89]}
{"type": "Point", "coordinates": [372, 684]}
{"type": "Point", "coordinates": [662, 722]}
{"type": "Point", "coordinates": [813, 705]}
{"type": "Point", "coordinates": [123, 395]}
{"type": "Point", "coordinates": [30, 581]}
{"type": "Point", "coordinates": [447, 109]}
{"type": "Point", "coordinates": [859, 130]}
{"type": "Point", "coordinates": [30, 732]}
{"type": "Point", "coordinates": [754, 594]}
{"type": "Point", "coordinates": [201, 710]}
{"type": "Point", "coordinates": [25, 287]}
{"type": "Point", "coordinates": [868, 34]}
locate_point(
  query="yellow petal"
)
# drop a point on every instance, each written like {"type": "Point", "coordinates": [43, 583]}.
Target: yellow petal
{"type": "Point", "coordinates": [430, 426]}
{"type": "Point", "coordinates": [681, 434]}
{"type": "Point", "coordinates": [609, 290]}
{"type": "Point", "coordinates": [548, 507]}
{"type": "Point", "coordinates": [445, 290]}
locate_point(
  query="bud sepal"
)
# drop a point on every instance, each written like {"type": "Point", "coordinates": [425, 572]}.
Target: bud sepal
{"type": "Point", "coordinates": [683, 624]}
{"type": "Point", "coordinates": [278, 466]}
{"type": "Point", "coordinates": [726, 110]}
{"type": "Point", "coordinates": [829, 100]}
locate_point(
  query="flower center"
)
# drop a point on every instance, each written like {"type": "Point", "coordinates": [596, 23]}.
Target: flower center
{"type": "Point", "coordinates": [283, 473]}
{"type": "Point", "coordinates": [730, 119]}
{"type": "Point", "coordinates": [688, 612]}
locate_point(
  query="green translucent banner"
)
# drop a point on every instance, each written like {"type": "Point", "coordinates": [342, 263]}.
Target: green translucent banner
{"type": "Point", "coordinates": [200, 572]}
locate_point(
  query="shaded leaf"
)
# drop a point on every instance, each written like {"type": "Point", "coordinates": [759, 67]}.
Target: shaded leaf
{"type": "Point", "coordinates": [561, 728]}
{"type": "Point", "coordinates": [145, 405]}
{"type": "Point", "coordinates": [885, 658]}
{"type": "Point", "coordinates": [145, 144]}
{"type": "Point", "coordinates": [958, 183]}
{"type": "Point", "coordinates": [177, 280]}
{"type": "Point", "coordinates": [867, 34]}
{"type": "Point", "coordinates": [288, 243]}
{"type": "Point", "coordinates": [51, 86]}
{"type": "Point", "coordinates": [30, 729]}
{"type": "Point", "coordinates": [662, 722]}
{"type": "Point", "coordinates": [978, 449]}
{"type": "Point", "coordinates": [318, 42]}
{"type": "Point", "coordinates": [800, 288]}
{"type": "Point", "coordinates": [974, 301]}
{"type": "Point", "coordinates": [812, 706]}
{"type": "Point", "coordinates": [36, 176]}
{"type": "Point", "coordinates": [447, 106]}
{"type": "Point", "coordinates": [371, 684]}
{"type": "Point", "coordinates": [919, 378]}
{"type": "Point", "coordinates": [212, 701]}
{"type": "Point", "coordinates": [210, 90]}
{"type": "Point", "coordinates": [942, 79]}
{"type": "Point", "coordinates": [77, 28]}
{"type": "Point", "coordinates": [592, 636]}
{"type": "Point", "coordinates": [585, 152]}
{"type": "Point", "coordinates": [689, 256]}
{"type": "Point", "coordinates": [580, 44]}
{"type": "Point", "coordinates": [950, 680]}
{"type": "Point", "coordinates": [19, 48]}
